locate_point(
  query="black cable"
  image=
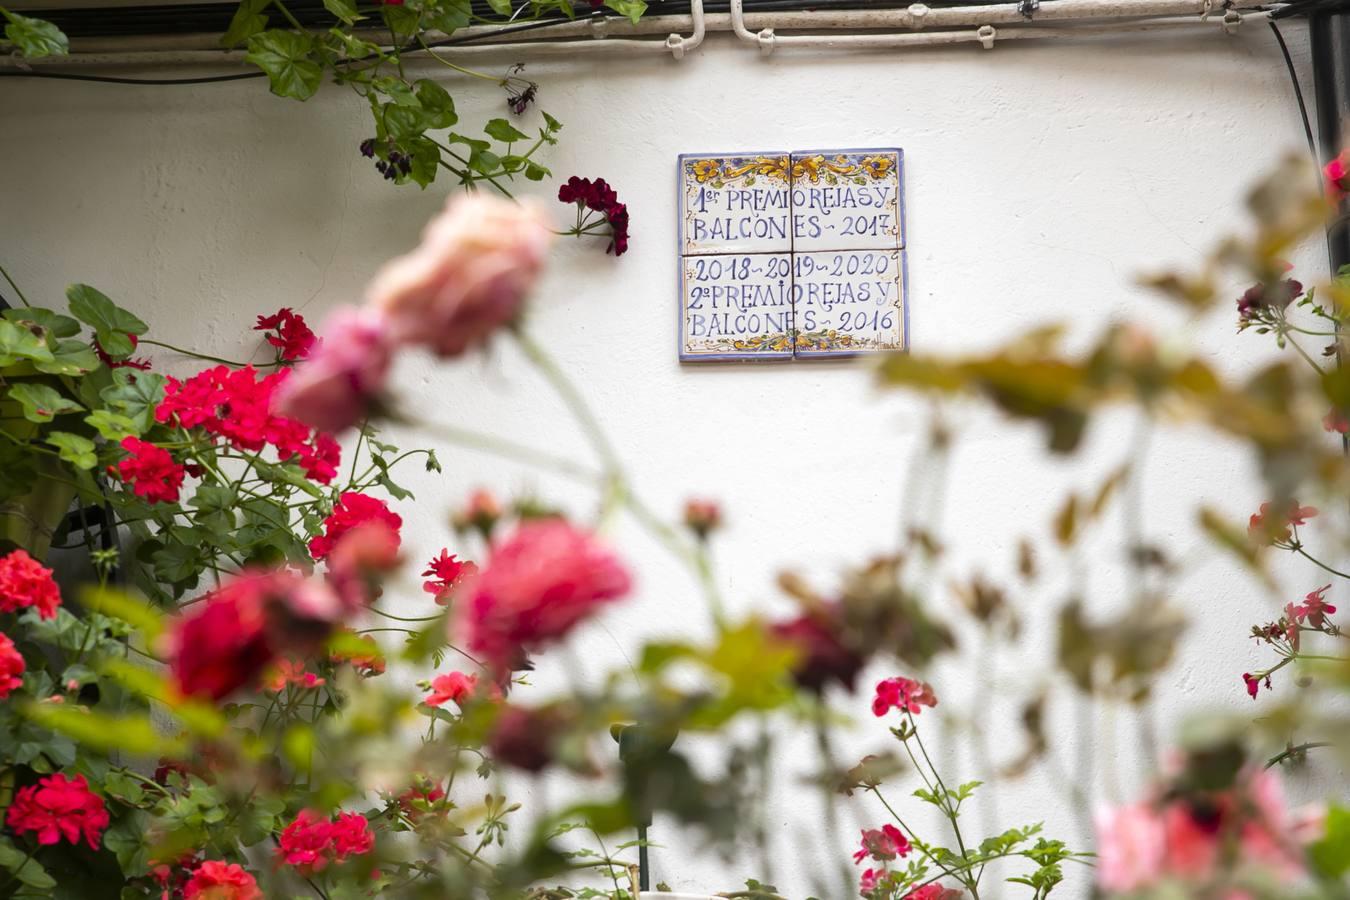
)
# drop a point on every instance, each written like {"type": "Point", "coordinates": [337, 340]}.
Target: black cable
{"type": "Point", "coordinates": [1298, 92]}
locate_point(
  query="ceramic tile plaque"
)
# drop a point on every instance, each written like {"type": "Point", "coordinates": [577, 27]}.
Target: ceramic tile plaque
{"type": "Point", "coordinates": [791, 255]}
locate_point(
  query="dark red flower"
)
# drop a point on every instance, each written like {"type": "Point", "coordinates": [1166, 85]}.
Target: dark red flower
{"type": "Point", "coordinates": [1337, 174]}
{"type": "Point", "coordinates": [226, 640]}
{"type": "Point", "coordinates": [151, 471]}
{"type": "Point", "coordinates": [524, 738]}
{"type": "Point", "coordinates": [823, 655]}
{"type": "Point", "coordinates": [58, 807]}
{"type": "Point", "coordinates": [1314, 608]}
{"type": "Point", "coordinates": [352, 509]}
{"type": "Point", "coordinates": [26, 582]}
{"type": "Point", "coordinates": [107, 360]}
{"type": "Point", "coordinates": [293, 338]}
{"type": "Point", "coordinates": [11, 667]}
{"type": "Point", "coordinates": [1254, 683]}
{"type": "Point", "coordinates": [599, 196]}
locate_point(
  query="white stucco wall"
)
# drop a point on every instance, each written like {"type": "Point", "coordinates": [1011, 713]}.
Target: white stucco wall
{"type": "Point", "coordinates": [1042, 178]}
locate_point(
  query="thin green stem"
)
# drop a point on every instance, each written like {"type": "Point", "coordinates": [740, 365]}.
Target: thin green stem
{"type": "Point", "coordinates": [1317, 562]}
{"type": "Point", "coordinates": [17, 289]}
{"type": "Point", "coordinates": [207, 357]}
{"type": "Point", "coordinates": [461, 69]}
{"type": "Point", "coordinates": [1294, 751]}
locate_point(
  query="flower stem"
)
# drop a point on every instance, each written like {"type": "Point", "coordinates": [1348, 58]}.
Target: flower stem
{"type": "Point", "coordinates": [17, 289]}
{"type": "Point", "coordinates": [1317, 562]}
{"type": "Point", "coordinates": [196, 355]}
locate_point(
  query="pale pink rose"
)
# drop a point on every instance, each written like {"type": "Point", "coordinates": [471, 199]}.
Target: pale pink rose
{"type": "Point", "coordinates": [477, 261]}
{"type": "Point", "coordinates": [537, 585]}
{"type": "Point", "coordinates": [333, 389]}
{"type": "Point", "coordinates": [1131, 847]}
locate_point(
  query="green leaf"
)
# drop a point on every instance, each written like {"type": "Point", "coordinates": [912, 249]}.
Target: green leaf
{"type": "Point", "coordinates": [285, 57]}
{"type": "Point", "coordinates": [121, 605]}
{"type": "Point", "coordinates": [343, 9]}
{"type": "Point", "coordinates": [72, 357]}
{"type": "Point", "coordinates": [41, 403]}
{"type": "Point", "coordinates": [552, 123]}
{"type": "Point", "coordinates": [437, 104]}
{"type": "Point", "coordinates": [134, 734]}
{"type": "Point", "coordinates": [111, 426]}
{"type": "Point", "coordinates": [633, 9]}
{"type": "Point", "coordinates": [426, 159]}
{"type": "Point", "coordinates": [501, 7]}
{"type": "Point", "coordinates": [23, 867]}
{"type": "Point", "coordinates": [59, 325]}
{"type": "Point", "coordinates": [403, 123]}
{"type": "Point", "coordinates": [76, 450]}
{"type": "Point", "coordinates": [1331, 854]}
{"type": "Point", "coordinates": [535, 172]}
{"type": "Point", "coordinates": [502, 130]}
{"type": "Point", "coordinates": [94, 309]}
{"type": "Point", "coordinates": [248, 20]}
{"type": "Point", "coordinates": [35, 38]}
{"type": "Point", "coordinates": [448, 15]}
{"type": "Point", "coordinates": [134, 394]}
{"type": "Point", "coordinates": [397, 90]}
{"type": "Point", "coordinates": [20, 342]}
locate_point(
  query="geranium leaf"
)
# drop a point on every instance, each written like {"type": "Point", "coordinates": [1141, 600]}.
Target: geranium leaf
{"type": "Point", "coordinates": [76, 450]}
{"type": "Point", "coordinates": [285, 57]}
{"type": "Point", "coordinates": [41, 403]}
{"type": "Point", "coordinates": [35, 38]}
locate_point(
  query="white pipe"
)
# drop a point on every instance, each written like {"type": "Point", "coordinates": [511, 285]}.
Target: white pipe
{"type": "Point", "coordinates": [586, 36]}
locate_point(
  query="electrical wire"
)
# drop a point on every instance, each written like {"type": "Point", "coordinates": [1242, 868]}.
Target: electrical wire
{"type": "Point", "coordinates": [1298, 92]}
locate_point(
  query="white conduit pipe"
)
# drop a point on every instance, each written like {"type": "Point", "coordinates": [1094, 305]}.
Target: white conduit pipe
{"type": "Point", "coordinates": [1115, 16]}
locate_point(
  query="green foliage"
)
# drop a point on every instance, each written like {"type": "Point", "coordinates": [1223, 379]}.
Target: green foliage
{"type": "Point", "coordinates": [34, 38]}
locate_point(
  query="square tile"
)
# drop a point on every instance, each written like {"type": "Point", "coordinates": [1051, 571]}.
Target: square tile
{"type": "Point", "coordinates": [734, 203]}
{"type": "Point", "coordinates": [735, 307]}
{"type": "Point", "coordinates": [848, 199]}
{"type": "Point", "coordinates": [847, 302]}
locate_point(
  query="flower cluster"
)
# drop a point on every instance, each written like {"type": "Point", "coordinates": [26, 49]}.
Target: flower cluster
{"type": "Point", "coordinates": [24, 582]}
{"type": "Point", "coordinates": [1286, 634]}
{"type": "Point", "coordinates": [150, 470]}
{"type": "Point", "coordinates": [537, 585]}
{"type": "Point", "coordinates": [467, 279]}
{"type": "Point", "coordinates": [1189, 836]}
{"type": "Point", "coordinates": [905, 694]}
{"type": "Point", "coordinates": [311, 841]}
{"type": "Point", "coordinates": [236, 405]}
{"type": "Point", "coordinates": [598, 196]}
{"type": "Point", "coordinates": [226, 641]}
{"type": "Point", "coordinates": [1272, 526]}
{"type": "Point", "coordinates": [57, 808]}
{"type": "Point", "coordinates": [882, 844]}
{"type": "Point", "coordinates": [353, 509]}
{"type": "Point", "coordinates": [288, 332]}
{"type": "Point", "coordinates": [11, 667]}
{"type": "Point", "coordinates": [216, 880]}
{"type": "Point", "coordinates": [1263, 305]}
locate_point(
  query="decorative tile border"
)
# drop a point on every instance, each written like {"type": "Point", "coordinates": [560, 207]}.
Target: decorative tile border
{"type": "Point", "coordinates": [791, 255]}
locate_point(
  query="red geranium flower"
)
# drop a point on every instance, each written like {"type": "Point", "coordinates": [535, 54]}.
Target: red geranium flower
{"type": "Point", "coordinates": [1265, 526]}
{"type": "Point", "coordinates": [293, 337]}
{"type": "Point", "coordinates": [1337, 173]}
{"type": "Point", "coordinates": [538, 584]}
{"type": "Point", "coordinates": [457, 687]}
{"type": "Point", "coordinates": [216, 880]}
{"type": "Point", "coordinates": [11, 667]}
{"type": "Point", "coordinates": [446, 573]}
{"type": "Point", "coordinates": [1314, 608]}
{"type": "Point", "coordinates": [58, 807]}
{"type": "Point", "coordinates": [904, 694]}
{"type": "Point", "coordinates": [236, 405]}
{"type": "Point", "coordinates": [419, 798]}
{"type": "Point", "coordinates": [25, 582]}
{"type": "Point", "coordinates": [107, 360]}
{"type": "Point", "coordinates": [352, 509]}
{"type": "Point", "coordinates": [882, 844]}
{"type": "Point", "coordinates": [311, 841]}
{"type": "Point", "coordinates": [151, 471]}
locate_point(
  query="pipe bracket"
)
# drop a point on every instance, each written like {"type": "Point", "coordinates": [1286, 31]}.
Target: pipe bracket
{"type": "Point", "coordinates": [986, 34]}
{"type": "Point", "coordinates": [918, 11]}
